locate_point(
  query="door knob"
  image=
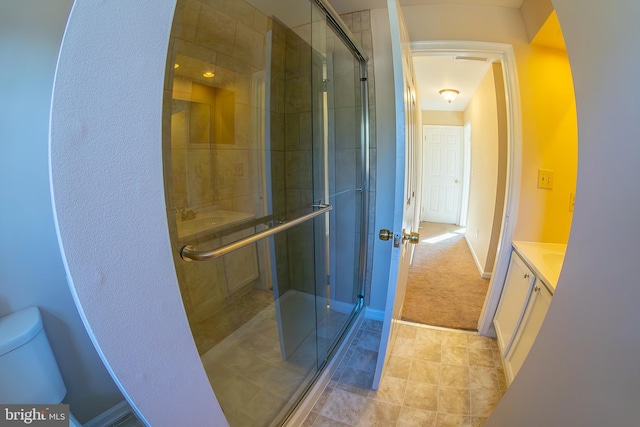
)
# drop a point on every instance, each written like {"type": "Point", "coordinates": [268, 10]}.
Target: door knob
{"type": "Point", "coordinates": [385, 234]}
{"type": "Point", "coordinates": [413, 237]}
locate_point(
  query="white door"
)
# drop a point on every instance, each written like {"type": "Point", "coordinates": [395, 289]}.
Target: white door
{"type": "Point", "coordinates": [442, 186]}
{"type": "Point", "coordinates": [408, 140]}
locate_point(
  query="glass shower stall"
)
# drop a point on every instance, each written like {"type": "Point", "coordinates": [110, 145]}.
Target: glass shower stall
{"type": "Point", "coordinates": [266, 178]}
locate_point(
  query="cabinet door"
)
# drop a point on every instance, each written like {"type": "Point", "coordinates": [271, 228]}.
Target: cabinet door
{"type": "Point", "coordinates": [513, 301]}
{"type": "Point", "coordinates": [528, 330]}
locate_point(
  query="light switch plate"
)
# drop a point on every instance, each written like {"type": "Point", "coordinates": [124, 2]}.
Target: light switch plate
{"type": "Point", "coordinates": [545, 179]}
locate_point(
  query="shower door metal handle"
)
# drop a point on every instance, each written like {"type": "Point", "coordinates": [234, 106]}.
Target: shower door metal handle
{"type": "Point", "coordinates": [189, 253]}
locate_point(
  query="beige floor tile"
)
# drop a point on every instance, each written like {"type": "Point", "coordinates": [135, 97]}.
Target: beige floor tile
{"type": "Point", "coordinates": [412, 417]}
{"type": "Point", "coordinates": [421, 396]}
{"type": "Point", "coordinates": [455, 355]}
{"type": "Point", "coordinates": [502, 379]}
{"type": "Point", "coordinates": [356, 381]}
{"type": "Point", "coordinates": [427, 351]}
{"type": "Point", "coordinates": [454, 339]}
{"type": "Point", "coordinates": [363, 359]}
{"type": "Point", "coordinates": [452, 420]}
{"type": "Point", "coordinates": [425, 372]}
{"type": "Point", "coordinates": [322, 421]}
{"type": "Point", "coordinates": [453, 401]}
{"type": "Point", "coordinates": [478, 421]}
{"type": "Point", "coordinates": [391, 390]}
{"type": "Point", "coordinates": [403, 347]}
{"type": "Point", "coordinates": [311, 417]}
{"type": "Point", "coordinates": [426, 335]}
{"type": "Point", "coordinates": [482, 377]}
{"type": "Point", "coordinates": [344, 406]}
{"type": "Point", "coordinates": [398, 366]}
{"type": "Point", "coordinates": [454, 376]}
{"type": "Point", "coordinates": [407, 331]}
{"type": "Point", "coordinates": [379, 414]}
{"type": "Point", "coordinates": [481, 357]}
{"type": "Point", "coordinates": [483, 401]}
{"type": "Point", "coordinates": [324, 396]}
{"type": "Point", "coordinates": [479, 341]}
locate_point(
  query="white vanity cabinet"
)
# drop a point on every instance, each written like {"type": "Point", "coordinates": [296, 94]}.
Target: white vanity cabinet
{"type": "Point", "coordinates": [513, 301]}
{"type": "Point", "coordinates": [529, 285]}
{"type": "Point", "coordinates": [534, 315]}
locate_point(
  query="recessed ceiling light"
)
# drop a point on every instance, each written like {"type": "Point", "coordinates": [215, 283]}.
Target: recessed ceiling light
{"type": "Point", "coordinates": [208, 74]}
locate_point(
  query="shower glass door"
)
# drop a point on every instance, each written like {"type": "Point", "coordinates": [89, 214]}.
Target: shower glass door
{"type": "Point", "coordinates": [264, 190]}
{"type": "Point", "coordinates": [337, 141]}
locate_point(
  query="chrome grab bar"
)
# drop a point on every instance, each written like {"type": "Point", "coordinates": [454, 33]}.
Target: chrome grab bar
{"type": "Point", "coordinates": [189, 253]}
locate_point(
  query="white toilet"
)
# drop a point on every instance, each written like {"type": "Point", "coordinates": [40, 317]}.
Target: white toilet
{"type": "Point", "coordinates": [28, 369]}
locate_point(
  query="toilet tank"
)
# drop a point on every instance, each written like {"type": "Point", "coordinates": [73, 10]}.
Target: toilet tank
{"type": "Point", "coordinates": [28, 369]}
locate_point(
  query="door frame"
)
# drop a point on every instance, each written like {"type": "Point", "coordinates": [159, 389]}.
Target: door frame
{"type": "Point", "coordinates": [466, 173]}
{"type": "Point", "coordinates": [504, 53]}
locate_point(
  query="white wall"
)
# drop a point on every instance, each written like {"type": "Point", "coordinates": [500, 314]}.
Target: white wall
{"type": "Point", "coordinates": [31, 269]}
{"type": "Point", "coordinates": [108, 191]}
{"type": "Point", "coordinates": [583, 367]}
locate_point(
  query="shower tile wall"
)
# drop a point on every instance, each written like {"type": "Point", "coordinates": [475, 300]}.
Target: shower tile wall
{"type": "Point", "coordinates": [214, 164]}
{"type": "Point", "coordinates": [292, 156]}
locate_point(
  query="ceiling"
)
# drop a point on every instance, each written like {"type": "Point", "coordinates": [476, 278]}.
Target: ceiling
{"type": "Point", "coordinates": [435, 73]}
{"type": "Point", "coordinates": [438, 72]}
{"type": "Point", "coordinates": [346, 6]}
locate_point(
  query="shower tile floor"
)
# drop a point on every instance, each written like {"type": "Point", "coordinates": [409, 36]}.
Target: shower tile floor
{"type": "Point", "coordinates": [251, 379]}
{"type": "Point", "coordinates": [437, 378]}
{"type": "Point", "coordinates": [225, 321]}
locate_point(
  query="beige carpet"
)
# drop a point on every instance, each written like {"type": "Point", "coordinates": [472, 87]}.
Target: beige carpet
{"type": "Point", "coordinates": [444, 287]}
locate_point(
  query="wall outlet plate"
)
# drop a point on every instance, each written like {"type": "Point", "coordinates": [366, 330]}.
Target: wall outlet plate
{"type": "Point", "coordinates": [545, 179]}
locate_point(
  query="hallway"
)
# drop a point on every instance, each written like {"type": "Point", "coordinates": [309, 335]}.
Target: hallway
{"type": "Point", "coordinates": [444, 287]}
{"type": "Point", "coordinates": [433, 378]}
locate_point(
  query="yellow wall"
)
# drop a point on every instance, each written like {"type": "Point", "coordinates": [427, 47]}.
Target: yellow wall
{"type": "Point", "coordinates": [551, 135]}
{"type": "Point", "coordinates": [442, 118]}
{"type": "Point", "coordinates": [549, 129]}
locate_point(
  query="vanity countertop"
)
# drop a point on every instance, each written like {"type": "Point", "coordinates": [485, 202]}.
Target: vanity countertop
{"type": "Point", "coordinates": [545, 259]}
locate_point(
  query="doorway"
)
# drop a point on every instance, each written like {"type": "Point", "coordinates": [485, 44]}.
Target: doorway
{"type": "Point", "coordinates": [485, 191]}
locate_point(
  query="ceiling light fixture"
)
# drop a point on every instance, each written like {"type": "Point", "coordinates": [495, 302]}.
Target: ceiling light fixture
{"type": "Point", "coordinates": [208, 74]}
{"type": "Point", "coordinates": [449, 94]}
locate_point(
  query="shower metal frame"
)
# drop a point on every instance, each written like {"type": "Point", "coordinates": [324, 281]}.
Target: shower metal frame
{"type": "Point", "coordinates": [338, 25]}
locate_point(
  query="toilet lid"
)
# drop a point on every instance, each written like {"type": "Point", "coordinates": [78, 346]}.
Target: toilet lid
{"type": "Point", "coordinates": [19, 328]}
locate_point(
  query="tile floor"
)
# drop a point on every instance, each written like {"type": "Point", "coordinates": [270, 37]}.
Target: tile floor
{"type": "Point", "coordinates": [434, 378]}
{"type": "Point", "coordinates": [253, 382]}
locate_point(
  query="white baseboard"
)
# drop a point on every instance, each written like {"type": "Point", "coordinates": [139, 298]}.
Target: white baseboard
{"type": "Point", "coordinates": [483, 274]}
{"type": "Point", "coordinates": [110, 416]}
{"type": "Point", "coordinates": [373, 314]}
